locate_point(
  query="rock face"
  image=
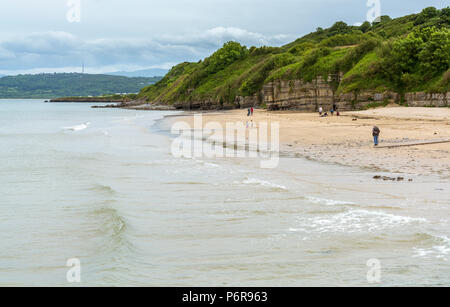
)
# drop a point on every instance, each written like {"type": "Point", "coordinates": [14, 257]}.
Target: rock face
{"type": "Point", "coordinates": [205, 105]}
{"type": "Point", "coordinates": [298, 95]}
{"type": "Point", "coordinates": [421, 99]}
{"type": "Point", "coordinates": [308, 97]}
{"type": "Point", "coordinates": [249, 101]}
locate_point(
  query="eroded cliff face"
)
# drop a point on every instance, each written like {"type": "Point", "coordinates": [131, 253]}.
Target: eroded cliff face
{"type": "Point", "coordinates": [422, 99]}
{"type": "Point", "coordinates": [309, 96]}
{"type": "Point", "coordinates": [298, 95]}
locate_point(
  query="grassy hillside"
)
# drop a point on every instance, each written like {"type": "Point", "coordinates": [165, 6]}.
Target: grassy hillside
{"type": "Point", "coordinates": [73, 84]}
{"type": "Point", "coordinates": [410, 53]}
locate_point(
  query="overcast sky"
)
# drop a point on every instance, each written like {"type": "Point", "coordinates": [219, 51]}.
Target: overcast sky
{"type": "Point", "coordinates": [36, 35]}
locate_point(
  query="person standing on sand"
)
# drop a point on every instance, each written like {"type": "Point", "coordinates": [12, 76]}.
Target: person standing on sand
{"type": "Point", "coordinates": [248, 112]}
{"type": "Point", "coordinates": [252, 110]}
{"type": "Point", "coordinates": [320, 111]}
{"type": "Point", "coordinates": [376, 134]}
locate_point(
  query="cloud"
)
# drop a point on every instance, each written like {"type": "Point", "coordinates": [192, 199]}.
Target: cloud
{"type": "Point", "coordinates": [6, 54]}
{"type": "Point", "coordinates": [214, 38]}
{"type": "Point", "coordinates": [54, 50]}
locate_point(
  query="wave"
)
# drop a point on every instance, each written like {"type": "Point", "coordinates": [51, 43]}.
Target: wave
{"type": "Point", "coordinates": [112, 228]}
{"type": "Point", "coordinates": [328, 202]}
{"type": "Point", "coordinates": [211, 165]}
{"type": "Point", "coordinates": [124, 119]}
{"type": "Point", "coordinates": [102, 188]}
{"type": "Point", "coordinates": [354, 221]}
{"type": "Point", "coordinates": [263, 183]}
{"type": "Point", "coordinates": [185, 183]}
{"type": "Point", "coordinates": [77, 127]}
{"type": "Point", "coordinates": [110, 221]}
{"type": "Point", "coordinates": [441, 249]}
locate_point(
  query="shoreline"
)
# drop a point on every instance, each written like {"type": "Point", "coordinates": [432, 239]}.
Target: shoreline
{"type": "Point", "coordinates": [346, 140]}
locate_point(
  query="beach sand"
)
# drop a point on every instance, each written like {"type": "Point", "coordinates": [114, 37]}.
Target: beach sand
{"type": "Point", "coordinates": [347, 139]}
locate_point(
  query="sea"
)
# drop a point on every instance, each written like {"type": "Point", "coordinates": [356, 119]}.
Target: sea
{"type": "Point", "coordinates": [95, 197]}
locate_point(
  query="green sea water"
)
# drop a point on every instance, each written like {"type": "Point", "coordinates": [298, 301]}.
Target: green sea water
{"type": "Point", "coordinates": [112, 195]}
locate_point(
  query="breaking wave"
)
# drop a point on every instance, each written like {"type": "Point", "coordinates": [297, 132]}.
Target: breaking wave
{"type": "Point", "coordinates": [263, 183]}
{"type": "Point", "coordinates": [328, 202]}
{"type": "Point", "coordinates": [354, 221]}
{"type": "Point", "coordinates": [441, 249]}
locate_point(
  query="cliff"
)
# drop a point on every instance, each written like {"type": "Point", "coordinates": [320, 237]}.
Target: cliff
{"type": "Point", "coordinates": [404, 60]}
{"type": "Point", "coordinates": [301, 96]}
{"type": "Point", "coordinates": [309, 96]}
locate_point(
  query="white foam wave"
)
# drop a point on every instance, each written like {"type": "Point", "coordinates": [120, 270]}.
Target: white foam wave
{"type": "Point", "coordinates": [354, 221]}
{"type": "Point", "coordinates": [77, 127]}
{"type": "Point", "coordinates": [264, 183]}
{"type": "Point", "coordinates": [328, 202]}
{"type": "Point", "coordinates": [211, 165]}
{"type": "Point", "coordinates": [440, 251]}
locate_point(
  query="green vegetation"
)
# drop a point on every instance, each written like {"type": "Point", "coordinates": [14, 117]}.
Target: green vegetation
{"type": "Point", "coordinates": [73, 84]}
{"type": "Point", "coordinates": [410, 53]}
{"type": "Point", "coordinates": [375, 105]}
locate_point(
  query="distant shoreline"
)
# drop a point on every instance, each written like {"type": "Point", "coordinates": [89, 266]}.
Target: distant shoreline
{"type": "Point", "coordinates": [87, 99]}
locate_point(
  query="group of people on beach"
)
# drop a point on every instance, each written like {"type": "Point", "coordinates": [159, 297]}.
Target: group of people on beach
{"type": "Point", "coordinates": [375, 131]}
{"type": "Point", "coordinates": [250, 112]}
{"type": "Point", "coordinates": [333, 110]}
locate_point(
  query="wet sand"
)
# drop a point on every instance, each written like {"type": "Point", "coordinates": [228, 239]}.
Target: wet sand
{"type": "Point", "coordinates": [347, 139]}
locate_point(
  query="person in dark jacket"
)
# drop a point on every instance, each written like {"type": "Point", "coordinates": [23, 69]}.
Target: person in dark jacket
{"type": "Point", "coordinates": [376, 134]}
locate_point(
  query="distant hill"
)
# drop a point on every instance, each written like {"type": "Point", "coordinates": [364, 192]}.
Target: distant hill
{"type": "Point", "coordinates": [141, 73]}
{"type": "Point", "coordinates": [69, 84]}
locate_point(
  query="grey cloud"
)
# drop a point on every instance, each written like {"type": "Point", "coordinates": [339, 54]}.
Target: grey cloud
{"type": "Point", "coordinates": [142, 34]}
{"type": "Point", "coordinates": [217, 36]}
{"type": "Point", "coordinates": [62, 49]}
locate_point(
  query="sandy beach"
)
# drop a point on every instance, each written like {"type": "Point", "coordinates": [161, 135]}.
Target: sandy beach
{"type": "Point", "coordinates": [347, 139]}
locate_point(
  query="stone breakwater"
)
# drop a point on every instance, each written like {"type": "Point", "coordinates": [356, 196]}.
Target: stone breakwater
{"type": "Point", "coordinates": [140, 104]}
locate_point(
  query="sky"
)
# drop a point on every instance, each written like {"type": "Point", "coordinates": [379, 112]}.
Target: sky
{"type": "Point", "coordinates": [116, 35]}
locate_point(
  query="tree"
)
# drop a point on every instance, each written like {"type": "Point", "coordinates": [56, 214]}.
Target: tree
{"type": "Point", "coordinates": [435, 54]}
{"type": "Point", "coordinates": [430, 12]}
{"type": "Point", "coordinates": [339, 27]}
{"type": "Point", "coordinates": [445, 12]}
{"type": "Point", "coordinates": [444, 17]}
{"type": "Point", "coordinates": [227, 55]}
{"type": "Point", "coordinates": [417, 58]}
{"type": "Point", "coordinates": [426, 14]}
{"type": "Point", "coordinates": [385, 18]}
{"type": "Point", "coordinates": [365, 27]}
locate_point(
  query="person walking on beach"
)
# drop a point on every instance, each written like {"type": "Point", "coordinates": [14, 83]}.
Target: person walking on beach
{"type": "Point", "coordinates": [376, 134]}
{"type": "Point", "coordinates": [249, 111]}
{"type": "Point", "coordinates": [252, 110]}
{"type": "Point", "coordinates": [320, 111]}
